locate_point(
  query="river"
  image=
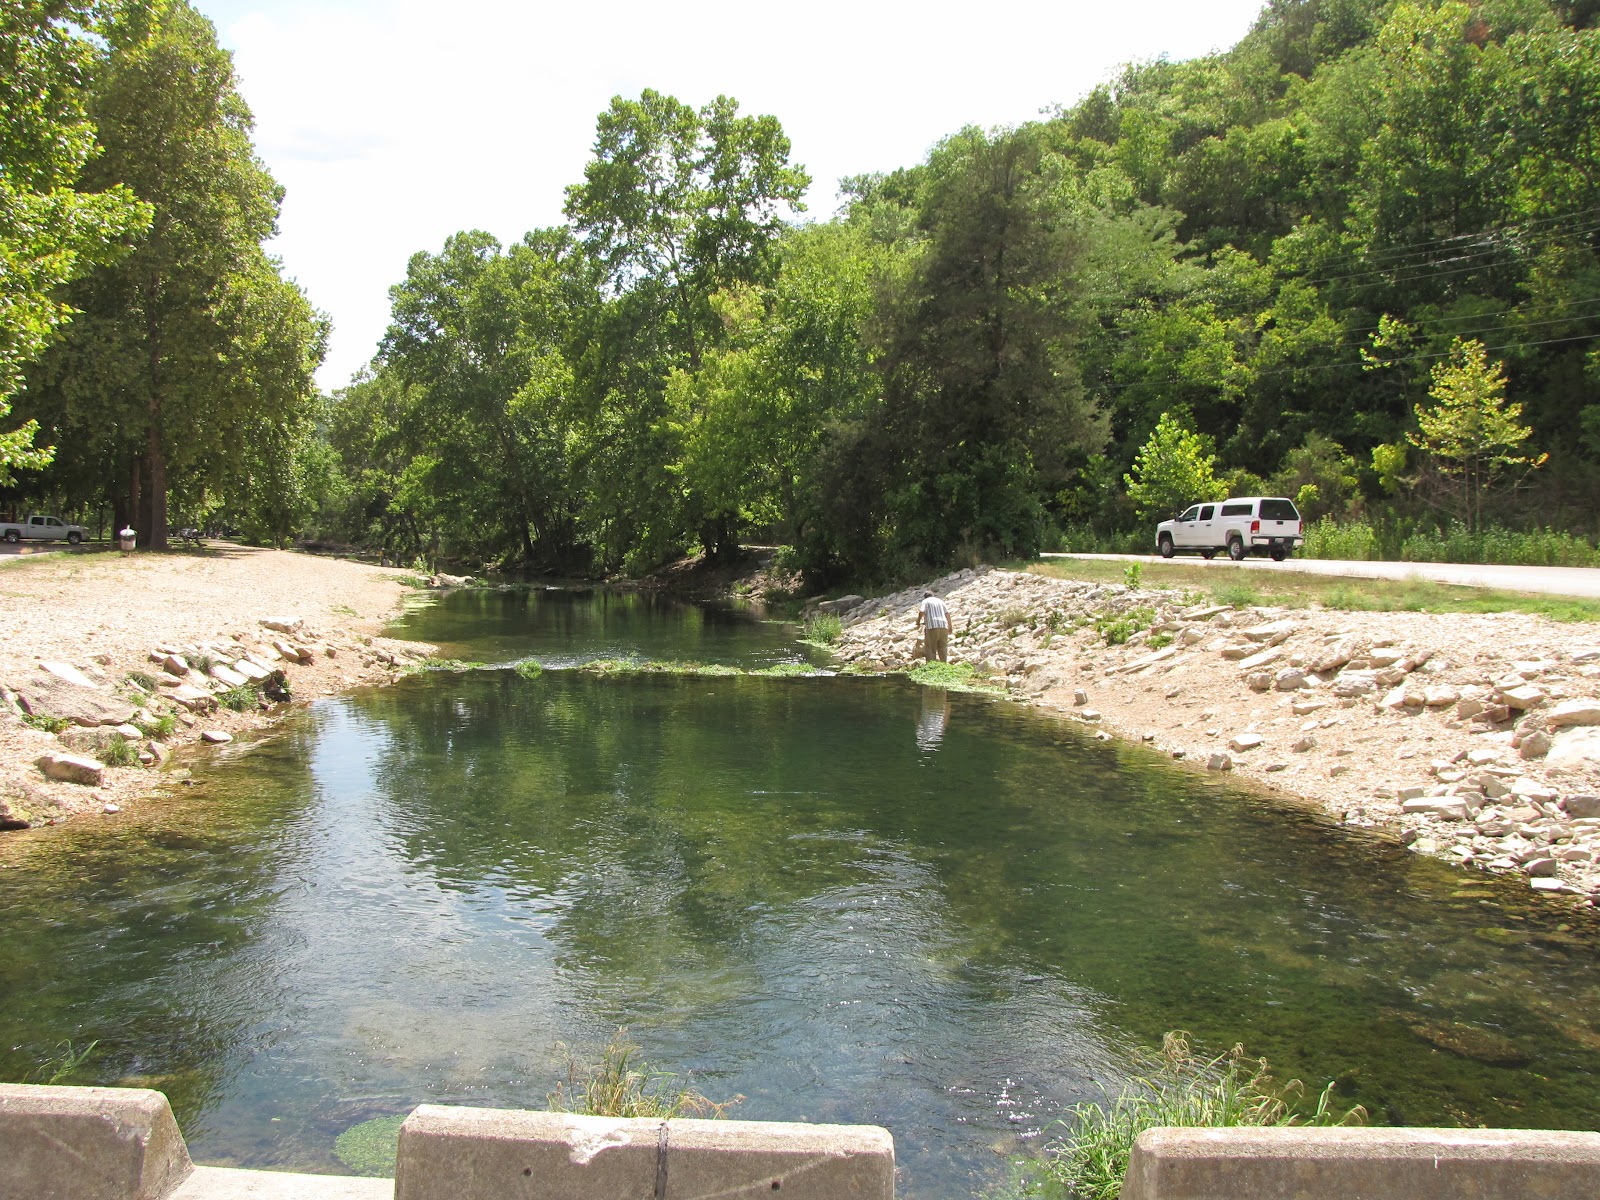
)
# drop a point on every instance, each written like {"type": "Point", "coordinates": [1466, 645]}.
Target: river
{"type": "Point", "coordinates": [845, 899]}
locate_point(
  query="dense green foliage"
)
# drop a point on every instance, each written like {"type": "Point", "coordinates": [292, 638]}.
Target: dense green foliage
{"type": "Point", "coordinates": [1352, 260]}
{"type": "Point", "coordinates": [185, 370]}
{"type": "Point", "coordinates": [1266, 269]}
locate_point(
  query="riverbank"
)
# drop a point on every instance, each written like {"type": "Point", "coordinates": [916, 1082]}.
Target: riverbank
{"type": "Point", "coordinates": [151, 649]}
{"type": "Point", "coordinates": [1473, 737]}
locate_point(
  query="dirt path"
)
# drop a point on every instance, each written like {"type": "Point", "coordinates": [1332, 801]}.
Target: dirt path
{"type": "Point", "coordinates": [1476, 738]}
{"type": "Point", "coordinates": [157, 640]}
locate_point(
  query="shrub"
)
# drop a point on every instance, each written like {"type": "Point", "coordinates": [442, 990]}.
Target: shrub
{"type": "Point", "coordinates": [1355, 540]}
{"type": "Point", "coordinates": [823, 629]}
{"type": "Point", "coordinates": [1181, 1089]}
{"type": "Point", "coordinates": [1133, 575]}
{"type": "Point", "coordinates": [46, 722]}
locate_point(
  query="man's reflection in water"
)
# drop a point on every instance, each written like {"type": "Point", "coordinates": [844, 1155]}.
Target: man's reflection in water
{"type": "Point", "coordinates": [935, 719]}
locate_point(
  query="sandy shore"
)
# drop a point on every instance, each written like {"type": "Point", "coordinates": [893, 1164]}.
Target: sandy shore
{"type": "Point", "coordinates": [115, 620]}
{"type": "Point", "coordinates": [1475, 738]}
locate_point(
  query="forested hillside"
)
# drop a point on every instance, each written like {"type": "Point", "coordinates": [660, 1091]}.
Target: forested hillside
{"type": "Point", "coordinates": [1352, 260]}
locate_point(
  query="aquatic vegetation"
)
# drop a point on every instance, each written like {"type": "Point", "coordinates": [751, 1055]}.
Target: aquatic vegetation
{"type": "Point", "coordinates": [60, 1064]}
{"type": "Point", "coordinates": [529, 668]}
{"type": "Point", "coordinates": [621, 1086]}
{"type": "Point", "coordinates": [371, 1147]}
{"type": "Point", "coordinates": [788, 670]}
{"type": "Point", "coordinates": [635, 666]}
{"type": "Point", "coordinates": [954, 677]}
{"type": "Point", "coordinates": [1181, 1089]}
{"type": "Point", "coordinates": [443, 664]}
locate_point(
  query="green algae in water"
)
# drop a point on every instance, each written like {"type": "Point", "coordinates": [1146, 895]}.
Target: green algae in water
{"type": "Point", "coordinates": [953, 677]}
{"type": "Point", "coordinates": [371, 1147]}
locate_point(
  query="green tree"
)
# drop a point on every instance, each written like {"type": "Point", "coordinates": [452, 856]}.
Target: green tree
{"type": "Point", "coordinates": [1173, 468]}
{"type": "Point", "coordinates": [51, 228]}
{"type": "Point", "coordinates": [983, 408]}
{"type": "Point", "coordinates": [677, 205]}
{"type": "Point", "coordinates": [1472, 440]}
{"type": "Point", "coordinates": [193, 339]}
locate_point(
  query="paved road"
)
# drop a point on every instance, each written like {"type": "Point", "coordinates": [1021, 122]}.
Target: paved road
{"type": "Point", "coordinates": [1558, 581]}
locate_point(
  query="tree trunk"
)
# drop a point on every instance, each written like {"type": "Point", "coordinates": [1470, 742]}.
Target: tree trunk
{"type": "Point", "coordinates": [155, 536]}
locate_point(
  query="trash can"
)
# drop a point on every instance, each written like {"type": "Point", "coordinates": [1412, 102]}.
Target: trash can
{"type": "Point", "coordinates": [127, 539]}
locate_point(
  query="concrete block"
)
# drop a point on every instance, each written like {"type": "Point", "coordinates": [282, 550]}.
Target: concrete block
{"type": "Point", "coordinates": [224, 1183]}
{"type": "Point", "coordinates": [87, 1143]}
{"type": "Point", "coordinates": [1369, 1164]}
{"type": "Point", "coordinates": [451, 1153]}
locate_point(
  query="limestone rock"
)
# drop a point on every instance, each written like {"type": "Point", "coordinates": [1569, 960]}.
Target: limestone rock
{"type": "Point", "coordinates": [1303, 744]}
{"type": "Point", "coordinates": [1574, 712]}
{"type": "Point", "coordinates": [129, 733]}
{"type": "Point", "coordinates": [194, 699]}
{"type": "Point", "coordinates": [71, 768]}
{"type": "Point", "coordinates": [1354, 683]}
{"type": "Point", "coordinates": [228, 676]}
{"type": "Point", "coordinates": [1445, 807]}
{"type": "Point", "coordinates": [217, 737]}
{"type": "Point", "coordinates": [1265, 659]}
{"type": "Point", "coordinates": [81, 706]}
{"type": "Point", "coordinates": [1575, 749]}
{"type": "Point", "coordinates": [1290, 679]}
{"type": "Point", "coordinates": [1581, 805]}
{"type": "Point", "coordinates": [1542, 867]}
{"type": "Point", "coordinates": [1240, 742]}
{"type": "Point", "coordinates": [1272, 633]}
{"type": "Point", "coordinates": [1440, 697]}
{"type": "Point", "coordinates": [293, 624]}
{"type": "Point", "coordinates": [69, 674]}
{"type": "Point", "coordinates": [1080, 697]}
{"type": "Point", "coordinates": [842, 605]}
{"type": "Point", "coordinates": [1388, 656]}
{"type": "Point", "coordinates": [252, 671]}
{"type": "Point", "coordinates": [1309, 705]}
{"type": "Point", "coordinates": [1219, 762]}
{"type": "Point", "coordinates": [1535, 745]}
{"type": "Point", "coordinates": [1260, 681]}
{"type": "Point", "coordinates": [1522, 698]}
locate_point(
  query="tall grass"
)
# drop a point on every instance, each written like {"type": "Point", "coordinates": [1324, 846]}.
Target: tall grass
{"type": "Point", "coordinates": [1183, 1089]}
{"type": "Point", "coordinates": [1426, 541]}
{"type": "Point", "coordinates": [620, 1085]}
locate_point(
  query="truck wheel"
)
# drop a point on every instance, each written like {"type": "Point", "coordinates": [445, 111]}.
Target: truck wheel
{"type": "Point", "coordinates": [1236, 549]}
{"type": "Point", "coordinates": [1278, 553]}
{"type": "Point", "coordinates": [74, 538]}
{"type": "Point", "coordinates": [13, 536]}
{"type": "Point", "coordinates": [1164, 544]}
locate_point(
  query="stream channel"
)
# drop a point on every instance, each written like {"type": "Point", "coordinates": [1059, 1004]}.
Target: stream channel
{"type": "Point", "coordinates": [845, 899]}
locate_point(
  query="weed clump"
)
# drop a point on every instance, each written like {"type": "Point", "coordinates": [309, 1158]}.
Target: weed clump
{"type": "Point", "coordinates": [822, 629]}
{"type": "Point", "coordinates": [953, 677]}
{"type": "Point", "coordinates": [1182, 1089]}
{"type": "Point", "coordinates": [621, 1086]}
{"type": "Point", "coordinates": [116, 751]}
{"type": "Point", "coordinates": [1119, 628]}
{"type": "Point", "coordinates": [46, 722]}
{"type": "Point", "coordinates": [529, 668]}
{"type": "Point", "coordinates": [240, 699]}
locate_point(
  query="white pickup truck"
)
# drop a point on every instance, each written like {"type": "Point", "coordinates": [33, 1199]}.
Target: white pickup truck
{"type": "Point", "coordinates": [42, 529]}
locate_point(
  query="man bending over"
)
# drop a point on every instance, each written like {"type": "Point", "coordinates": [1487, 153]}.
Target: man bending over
{"type": "Point", "coordinates": [933, 618]}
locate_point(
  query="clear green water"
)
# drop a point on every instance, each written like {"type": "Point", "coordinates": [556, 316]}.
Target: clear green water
{"type": "Point", "coordinates": [847, 899]}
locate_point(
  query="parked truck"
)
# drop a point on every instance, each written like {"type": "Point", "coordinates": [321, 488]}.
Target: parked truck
{"type": "Point", "coordinates": [42, 529]}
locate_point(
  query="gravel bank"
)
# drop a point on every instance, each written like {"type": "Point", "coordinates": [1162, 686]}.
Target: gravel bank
{"type": "Point", "coordinates": [190, 625]}
{"type": "Point", "coordinates": [1475, 738]}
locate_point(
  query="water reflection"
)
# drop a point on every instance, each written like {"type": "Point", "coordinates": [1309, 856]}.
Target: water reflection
{"type": "Point", "coordinates": [935, 719]}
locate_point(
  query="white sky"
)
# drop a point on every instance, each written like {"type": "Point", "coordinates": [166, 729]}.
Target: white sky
{"type": "Point", "coordinates": [395, 123]}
